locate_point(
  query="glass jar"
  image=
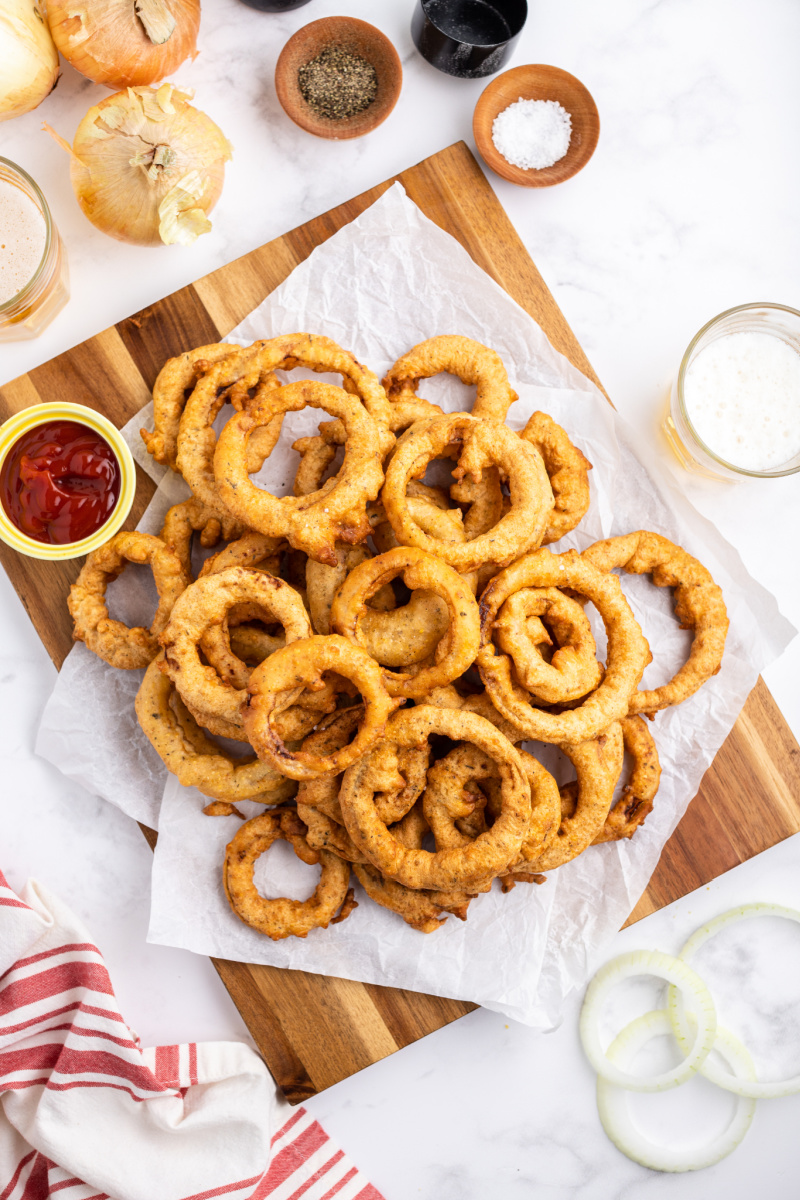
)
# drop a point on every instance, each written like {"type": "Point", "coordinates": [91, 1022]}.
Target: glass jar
{"type": "Point", "coordinates": [28, 312]}
{"type": "Point", "coordinates": [695, 454]}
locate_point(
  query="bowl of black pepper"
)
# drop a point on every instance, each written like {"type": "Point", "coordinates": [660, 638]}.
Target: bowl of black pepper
{"type": "Point", "coordinates": [338, 77]}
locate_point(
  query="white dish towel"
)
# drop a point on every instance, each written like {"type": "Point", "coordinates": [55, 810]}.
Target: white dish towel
{"type": "Point", "coordinates": [87, 1113]}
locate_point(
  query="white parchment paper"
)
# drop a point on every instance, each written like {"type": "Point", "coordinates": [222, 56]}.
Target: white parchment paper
{"type": "Point", "coordinates": [378, 286]}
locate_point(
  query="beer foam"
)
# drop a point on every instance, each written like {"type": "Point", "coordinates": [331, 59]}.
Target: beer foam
{"type": "Point", "coordinates": [23, 235]}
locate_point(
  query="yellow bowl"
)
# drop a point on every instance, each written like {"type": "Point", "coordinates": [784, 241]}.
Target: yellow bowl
{"type": "Point", "coordinates": [10, 433]}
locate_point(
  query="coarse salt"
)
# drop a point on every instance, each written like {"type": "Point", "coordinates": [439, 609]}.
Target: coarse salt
{"type": "Point", "coordinates": [532, 134]}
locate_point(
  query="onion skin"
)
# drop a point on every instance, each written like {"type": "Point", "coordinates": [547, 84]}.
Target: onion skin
{"type": "Point", "coordinates": [125, 199]}
{"type": "Point", "coordinates": [28, 58]}
{"type": "Point", "coordinates": [106, 40]}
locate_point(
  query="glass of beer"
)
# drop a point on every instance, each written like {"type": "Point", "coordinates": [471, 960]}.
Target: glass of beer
{"type": "Point", "coordinates": [34, 282]}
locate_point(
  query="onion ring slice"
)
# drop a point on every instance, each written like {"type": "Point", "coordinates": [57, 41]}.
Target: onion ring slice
{"type": "Point", "coordinates": [280, 681]}
{"type": "Point", "coordinates": [612, 1102]}
{"type": "Point", "coordinates": [674, 971]}
{"type": "Point", "coordinates": [750, 1087]}
{"type": "Point", "coordinates": [480, 444]}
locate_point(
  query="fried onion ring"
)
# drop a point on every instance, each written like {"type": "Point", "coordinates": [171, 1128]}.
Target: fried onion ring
{"type": "Point", "coordinates": [283, 918]}
{"type": "Point", "coordinates": [598, 764]}
{"type": "Point", "coordinates": [636, 801]}
{"type": "Point", "coordinates": [192, 516]}
{"type": "Point", "coordinates": [480, 444]}
{"type": "Point", "coordinates": [568, 470]}
{"type": "Point", "coordinates": [337, 510]}
{"type": "Point", "coordinates": [456, 651]}
{"type": "Point", "coordinates": [189, 755]}
{"type": "Point", "coordinates": [699, 606]}
{"type": "Point", "coordinates": [455, 812]}
{"type": "Point", "coordinates": [205, 604]}
{"type": "Point", "coordinates": [519, 632]}
{"type": "Point", "coordinates": [176, 378]}
{"type": "Point", "coordinates": [112, 641]}
{"type": "Point", "coordinates": [442, 870]}
{"type": "Point", "coordinates": [456, 355]}
{"type": "Point", "coordinates": [627, 656]}
{"type": "Point", "coordinates": [280, 682]}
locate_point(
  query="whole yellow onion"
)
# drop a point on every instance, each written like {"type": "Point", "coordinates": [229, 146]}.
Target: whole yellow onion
{"type": "Point", "coordinates": [125, 43]}
{"type": "Point", "coordinates": [28, 58]}
{"type": "Point", "coordinates": [147, 167]}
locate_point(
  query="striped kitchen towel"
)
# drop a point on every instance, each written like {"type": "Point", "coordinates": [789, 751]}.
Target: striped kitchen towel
{"type": "Point", "coordinates": [87, 1113]}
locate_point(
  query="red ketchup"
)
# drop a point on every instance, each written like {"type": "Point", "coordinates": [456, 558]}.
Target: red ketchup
{"type": "Point", "coordinates": [60, 482]}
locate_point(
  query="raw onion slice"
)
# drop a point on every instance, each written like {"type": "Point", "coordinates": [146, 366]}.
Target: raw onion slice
{"type": "Point", "coordinates": [716, 1074]}
{"type": "Point", "coordinates": [674, 971]}
{"type": "Point", "coordinates": [612, 1103]}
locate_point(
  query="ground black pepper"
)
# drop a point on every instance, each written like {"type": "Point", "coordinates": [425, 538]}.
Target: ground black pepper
{"type": "Point", "coordinates": [338, 83]}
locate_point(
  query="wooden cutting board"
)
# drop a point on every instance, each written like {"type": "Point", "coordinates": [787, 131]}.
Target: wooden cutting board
{"type": "Point", "coordinates": [312, 1030]}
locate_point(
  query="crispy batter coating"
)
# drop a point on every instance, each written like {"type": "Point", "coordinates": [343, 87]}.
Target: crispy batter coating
{"type": "Point", "coordinates": [192, 516]}
{"type": "Point", "coordinates": [280, 682]}
{"type": "Point", "coordinates": [112, 641]}
{"type": "Point", "coordinates": [283, 917]}
{"type": "Point", "coordinates": [190, 755]}
{"type": "Point", "coordinates": [627, 656]}
{"type": "Point", "coordinates": [480, 444]}
{"type": "Point", "coordinates": [456, 651]}
{"type": "Point", "coordinates": [456, 355]}
{"type": "Point", "coordinates": [205, 604]}
{"type": "Point", "coordinates": [337, 510]}
{"type": "Point", "coordinates": [636, 801]}
{"type": "Point", "coordinates": [597, 763]}
{"type": "Point", "coordinates": [175, 380]}
{"type": "Point", "coordinates": [451, 869]}
{"type": "Point", "coordinates": [699, 606]}
{"type": "Point", "coordinates": [568, 470]}
{"type": "Point", "coordinates": [519, 631]}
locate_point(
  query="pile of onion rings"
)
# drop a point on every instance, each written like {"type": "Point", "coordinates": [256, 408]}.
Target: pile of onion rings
{"type": "Point", "coordinates": [380, 648]}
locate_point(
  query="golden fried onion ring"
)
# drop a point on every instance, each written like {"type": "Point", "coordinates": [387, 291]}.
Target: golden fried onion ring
{"type": "Point", "coordinates": [192, 516]}
{"type": "Point", "coordinates": [456, 355]}
{"type": "Point", "coordinates": [627, 656]}
{"type": "Point", "coordinates": [280, 682]}
{"type": "Point", "coordinates": [112, 641]}
{"type": "Point", "coordinates": [454, 654]}
{"type": "Point", "coordinates": [205, 604]}
{"type": "Point", "coordinates": [177, 377]}
{"type": "Point", "coordinates": [480, 444]}
{"type": "Point", "coordinates": [450, 805]}
{"type": "Point", "coordinates": [189, 755]}
{"type": "Point", "coordinates": [699, 606]}
{"type": "Point", "coordinates": [598, 764]}
{"type": "Point", "coordinates": [568, 470]}
{"type": "Point", "coordinates": [283, 917]}
{"type": "Point", "coordinates": [337, 510]}
{"type": "Point", "coordinates": [443, 870]}
{"type": "Point", "coordinates": [519, 632]}
{"type": "Point", "coordinates": [636, 801]}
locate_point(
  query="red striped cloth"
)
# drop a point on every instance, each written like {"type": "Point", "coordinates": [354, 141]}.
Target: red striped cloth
{"type": "Point", "coordinates": [87, 1113]}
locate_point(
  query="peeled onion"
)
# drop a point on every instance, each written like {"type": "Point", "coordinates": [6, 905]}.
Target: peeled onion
{"type": "Point", "coordinates": [125, 43]}
{"type": "Point", "coordinates": [147, 167]}
{"type": "Point", "coordinates": [28, 58]}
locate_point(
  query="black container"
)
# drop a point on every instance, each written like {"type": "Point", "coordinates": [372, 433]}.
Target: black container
{"type": "Point", "coordinates": [468, 38]}
{"type": "Point", "coordinates": [275, 5]}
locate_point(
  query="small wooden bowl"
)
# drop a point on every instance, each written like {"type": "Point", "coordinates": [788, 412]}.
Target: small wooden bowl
{"type": "Point", "coordinates": [357, 36]}
{"type": "Point", "coordinates": [538, 82]}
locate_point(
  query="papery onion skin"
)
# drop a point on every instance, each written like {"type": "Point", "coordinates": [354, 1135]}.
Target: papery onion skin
{"type": "Point", "coordinates": [28, 58]}
{"type": "Point", "coordinates": [134, 201]}
{"type": "Point", "coordinates": [107, 41]}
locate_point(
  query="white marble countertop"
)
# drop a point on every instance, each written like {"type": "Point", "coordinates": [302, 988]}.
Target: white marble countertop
{"type": "Point", "coordinates": [687, 208]}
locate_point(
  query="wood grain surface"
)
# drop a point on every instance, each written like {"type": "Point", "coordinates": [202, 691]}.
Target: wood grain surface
{"type": "Point", "coordinates": [313, 1030]}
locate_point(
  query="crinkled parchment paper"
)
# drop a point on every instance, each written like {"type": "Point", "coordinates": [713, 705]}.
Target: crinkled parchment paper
{"type": "Point", "coordinates": [378, 286]}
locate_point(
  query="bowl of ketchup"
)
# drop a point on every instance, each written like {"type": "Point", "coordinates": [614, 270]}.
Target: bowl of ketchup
{"type": "Point", "coordinates": [67, 480]}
